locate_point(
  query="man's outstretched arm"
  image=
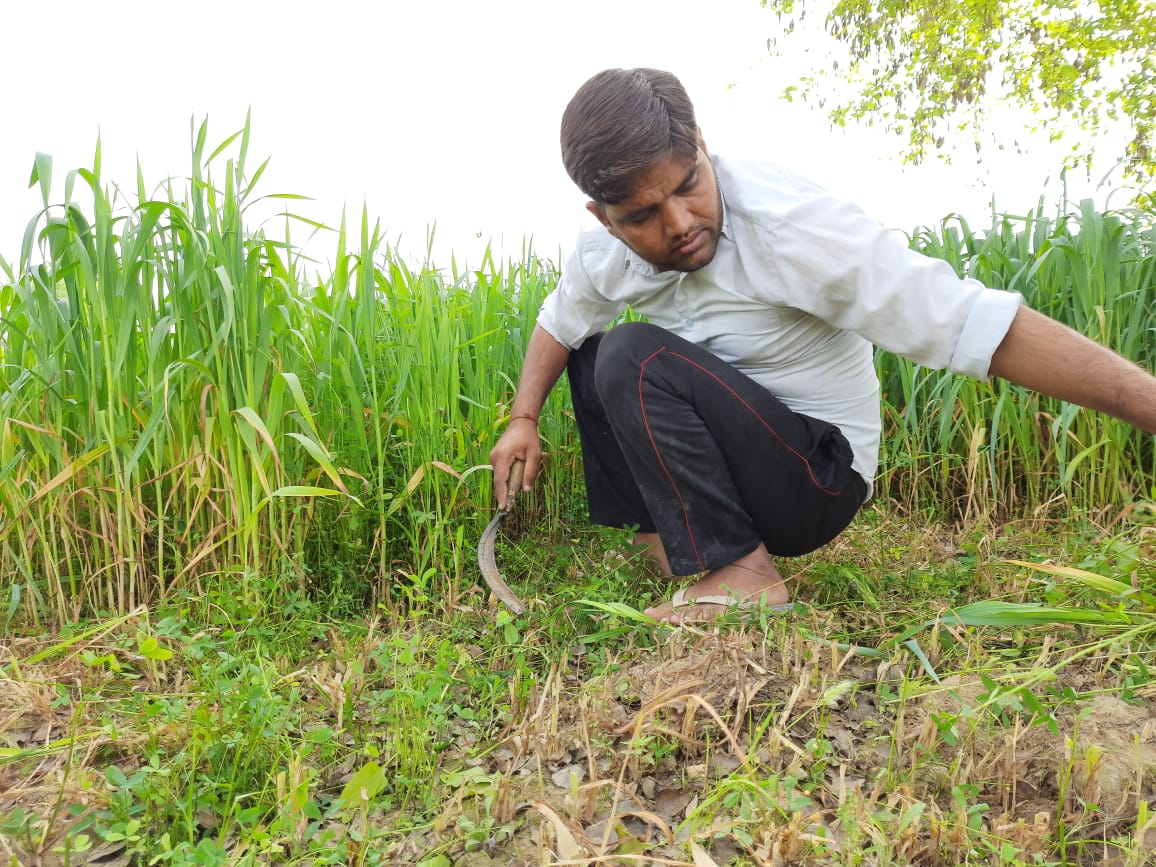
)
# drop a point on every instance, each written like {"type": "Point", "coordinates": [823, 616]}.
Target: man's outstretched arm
{"type": "Point", "coordinates": [1045, 356]}
{"type": "Point", "coordinates": [545, 360]}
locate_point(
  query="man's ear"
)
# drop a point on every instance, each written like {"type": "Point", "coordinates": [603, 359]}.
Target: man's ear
{"type": "Point", "coordinates": [701, 140]}
{"type": "Point", "coordinates": [596, 209]}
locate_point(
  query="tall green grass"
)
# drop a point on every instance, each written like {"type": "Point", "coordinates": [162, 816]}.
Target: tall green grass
{"type": "Point", "coordinates": [996, 448]}
{"type": "Point", "coordinates": [182, 408]}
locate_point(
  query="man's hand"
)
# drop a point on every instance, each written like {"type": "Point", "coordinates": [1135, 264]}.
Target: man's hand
{"type": "Point", "coordinates": [519, 442]}
{"type": "Point", "coordinates": [545, 360]}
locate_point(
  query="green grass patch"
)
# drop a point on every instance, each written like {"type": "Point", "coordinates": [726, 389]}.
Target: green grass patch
{"type": "Point", "coordinates": [298, 737]}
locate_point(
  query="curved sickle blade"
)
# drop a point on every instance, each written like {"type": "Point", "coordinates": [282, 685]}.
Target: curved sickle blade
{"type": "Point", "coordinates": [489, 566]}
{"type": "Point", "coordinates": [486, 559]}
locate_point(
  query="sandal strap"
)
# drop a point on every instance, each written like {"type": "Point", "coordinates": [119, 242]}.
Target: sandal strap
{"type": "Point", "coordinates": [679, 600]}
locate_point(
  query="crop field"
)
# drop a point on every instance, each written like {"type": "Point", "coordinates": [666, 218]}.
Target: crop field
{"type": "Point", "coordinates": [243, 623]}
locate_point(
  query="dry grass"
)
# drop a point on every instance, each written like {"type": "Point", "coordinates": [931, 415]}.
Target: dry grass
{"type": "Point", "coordinates": [801, 727]}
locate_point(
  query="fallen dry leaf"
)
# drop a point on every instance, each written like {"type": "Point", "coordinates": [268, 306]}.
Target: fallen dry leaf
{"type": "Point", "coordinates": [566, 844]}
{"type": "Point", "coordinates": [670, 803]}
{"type": "Point", "coordinates": [701, 858]}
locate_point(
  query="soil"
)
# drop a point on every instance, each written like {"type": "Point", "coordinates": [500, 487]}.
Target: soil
{"type": "Point", "coordinates": [634, 761]}
{"type": "Point", "coordinates": [744, 747]}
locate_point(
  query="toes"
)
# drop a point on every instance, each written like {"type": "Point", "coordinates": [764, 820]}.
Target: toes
{"type": "Point", "coordinates": [691, 614]}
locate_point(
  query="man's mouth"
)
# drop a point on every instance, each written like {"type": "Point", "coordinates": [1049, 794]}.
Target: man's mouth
{"type": "Point", "coordinates": [693, 243]}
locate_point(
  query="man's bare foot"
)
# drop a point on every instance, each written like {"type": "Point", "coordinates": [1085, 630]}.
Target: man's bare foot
{"type": "Point", "coordinates": [752, 578]}
{"type": "Point", "coordinates": [651, 546]}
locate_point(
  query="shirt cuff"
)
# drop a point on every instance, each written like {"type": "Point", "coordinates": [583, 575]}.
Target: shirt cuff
{"type": "Point", "coordinates": [986, 326]}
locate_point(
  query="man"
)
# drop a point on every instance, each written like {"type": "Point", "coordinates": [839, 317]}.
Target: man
{"type": "Point", "coordinates": [741, 422]}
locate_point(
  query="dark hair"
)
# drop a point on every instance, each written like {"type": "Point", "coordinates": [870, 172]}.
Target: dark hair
{"type": "Point", "coordinates": [621, 122]}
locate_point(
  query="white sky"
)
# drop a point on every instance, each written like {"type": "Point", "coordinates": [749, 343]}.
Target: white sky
{"type": "Point", "coordinates": [440, 111]}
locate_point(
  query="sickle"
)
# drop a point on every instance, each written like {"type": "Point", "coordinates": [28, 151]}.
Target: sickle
{"type": "Point", "coordinates": [486, 559]}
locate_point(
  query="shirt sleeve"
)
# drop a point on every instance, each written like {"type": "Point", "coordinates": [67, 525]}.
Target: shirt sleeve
{"type": "Point", "coordinates": [575, 309]}
{"type": "Point", "coordinates": [836, 263]}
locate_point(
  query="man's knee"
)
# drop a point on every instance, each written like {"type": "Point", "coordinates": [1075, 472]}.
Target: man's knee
{"type": "Point", "coordinates": [621, 353]}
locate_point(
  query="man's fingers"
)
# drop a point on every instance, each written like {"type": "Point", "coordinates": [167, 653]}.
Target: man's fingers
{"type": "Point", "coordinates": [518, 475]}
{"type": "Point", "coordinates": [533, 462]}
{"type": "Point", "coordinates": [505, 483]}
{"type": "Point", "coordinates": [501, 475]}
{"type": "Point", "coordinates": [517, 468]}
{"type": "Point", "coordinates": [511, 452]}
{"type": "Point", "coordinates": [511, 483]}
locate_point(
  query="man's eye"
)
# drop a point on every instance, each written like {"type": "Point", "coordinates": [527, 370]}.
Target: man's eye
{"type": "Point", "coordinates": [689, 186]}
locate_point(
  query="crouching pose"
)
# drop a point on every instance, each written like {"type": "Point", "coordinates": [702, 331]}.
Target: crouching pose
{"type": "Point", "coordinates": [741, 421]}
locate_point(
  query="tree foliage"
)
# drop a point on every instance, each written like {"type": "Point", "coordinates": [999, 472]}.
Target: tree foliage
{"type": "Point", "coordinates": [930, 70]}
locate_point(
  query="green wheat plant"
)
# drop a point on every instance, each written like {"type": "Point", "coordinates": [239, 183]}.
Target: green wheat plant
{"type": "Point", "coordinates": [993, 447]}
{"type": "Point", "coordinates": [181, 405]}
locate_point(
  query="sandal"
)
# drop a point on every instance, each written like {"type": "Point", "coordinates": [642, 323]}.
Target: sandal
{"type": "Point", "coordinates": [679, 600]}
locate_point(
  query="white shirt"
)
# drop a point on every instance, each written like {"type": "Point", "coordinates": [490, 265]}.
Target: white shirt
{"type": "Point", "coordinates": [801, 285]}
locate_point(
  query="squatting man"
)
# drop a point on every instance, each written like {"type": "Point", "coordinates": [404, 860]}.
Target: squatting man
{"type": "Point", "coordinates": [741, 421]}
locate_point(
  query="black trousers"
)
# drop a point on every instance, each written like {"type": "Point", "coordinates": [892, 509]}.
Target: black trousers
{"type": "Point", "coordinates": [678, 442]}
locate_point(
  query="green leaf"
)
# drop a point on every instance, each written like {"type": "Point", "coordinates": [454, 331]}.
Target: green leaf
{"type": "Point", "coordinates": [150, 649]}
{"type": "Point", "coordinates": [917, 651]}
{"type": "Point", "coordinates": [295, 389]}
{"type": "Point", "coordinates": [994, 613]}
{"type": "Point", "coordinates": [620, 609]}
{"type": "Point", "coordinates": [305, 491]}
{"type": "Point", "coordinates": [321, 455]}
{"type": "Point", "coordinates": [366, 785]}
{"type": "Point", "coordinates": [42, 174]}
{"type": "Point", "coordinates": [911, 815]}
{"type": "Point", "coordinates": [1074, 464]}
{"type": "Point", "coordinates": [79, 637]}
{"type": "Point", "coordinates": [1104, 584]}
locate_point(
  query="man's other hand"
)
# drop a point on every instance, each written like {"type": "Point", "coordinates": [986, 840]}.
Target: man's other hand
{"type": "Point", "coordinates": [520, 441]}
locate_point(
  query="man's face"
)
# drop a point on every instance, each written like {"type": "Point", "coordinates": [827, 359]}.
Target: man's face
{"type": "Point", "coordinates": [673, 215]}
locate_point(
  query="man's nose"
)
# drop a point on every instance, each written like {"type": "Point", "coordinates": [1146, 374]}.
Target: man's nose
{"type": "Point", "coordinates": [677, 218]}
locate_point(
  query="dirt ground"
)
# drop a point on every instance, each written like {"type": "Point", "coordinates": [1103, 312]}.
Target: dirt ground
{"type": "Point", "coordinates": [740, 747]}
{"type": "Point", "coordinates": [818, 743]}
